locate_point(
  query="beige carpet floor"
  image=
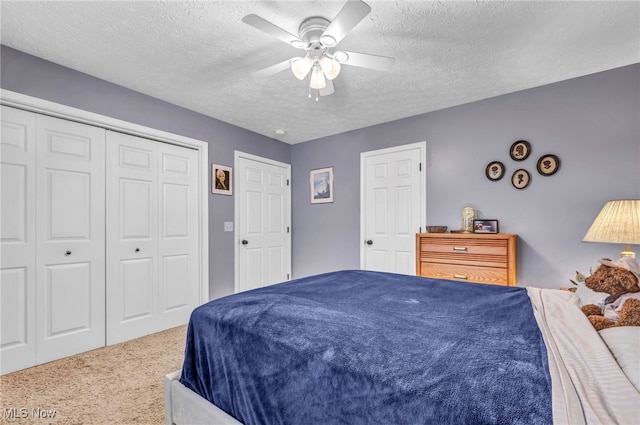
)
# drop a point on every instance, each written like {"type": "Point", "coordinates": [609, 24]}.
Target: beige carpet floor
{"type": "Point", "coordinates": [119, 384]}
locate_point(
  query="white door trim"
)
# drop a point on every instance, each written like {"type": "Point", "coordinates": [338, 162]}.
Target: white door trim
{"type": "Point", "coordinates": [34, 104]}
{"type": "Point", "coordinates": [237, 216]}
{"type": "Point", "coordinates": [423, 195]}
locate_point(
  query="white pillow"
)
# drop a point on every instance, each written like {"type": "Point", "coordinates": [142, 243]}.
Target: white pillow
{"type": "Point", "coordinates": [589, 296]}
{"type": "Point", "coordinates": [624, 344]}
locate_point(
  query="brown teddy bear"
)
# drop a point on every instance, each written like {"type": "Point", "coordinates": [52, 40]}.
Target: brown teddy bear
{"type": "Point", "coordinates": [615, 278]}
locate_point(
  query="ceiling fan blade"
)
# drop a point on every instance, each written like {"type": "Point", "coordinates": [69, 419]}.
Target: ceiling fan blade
{"type": "Point", "coordinates": [365, 60]}
{"type": "Point", "coordinates": [273, 30]}
{"type": "Point", "coordinates": [329, 89]}
{"type": "Point", "coordinates": [273, 69]}
{"type": "Point", "coordinates": [349, 16]}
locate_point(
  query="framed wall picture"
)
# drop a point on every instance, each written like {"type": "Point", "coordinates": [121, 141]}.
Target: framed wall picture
{"type": "Point", "coordinates": [485, 226]}
{"type": "Point", "coordinates": [221, 179]}
{"type": "Point", "coordinates": [495, 171]}
{"type": "Point", "coordinates": [520, 178]}
{"type": "Point", "coordinates": [520, 150]}
{"type": "Point", "coordinates": [321, 182]}
{"type": "Point", "coordinates": [548, 165]}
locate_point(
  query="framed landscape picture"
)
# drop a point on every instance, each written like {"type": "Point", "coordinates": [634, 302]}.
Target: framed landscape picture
{"type": "Point", "coordinates": [321, 181]}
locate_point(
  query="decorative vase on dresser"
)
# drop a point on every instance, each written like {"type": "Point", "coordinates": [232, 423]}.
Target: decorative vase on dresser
{"type": "Point", "coordinates": [472, 257]}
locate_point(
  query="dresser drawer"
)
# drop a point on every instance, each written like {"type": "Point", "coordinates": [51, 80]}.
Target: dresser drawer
{"type": "Point", "coordinates": [487, 252]}
{"type": "Point", "coordinates": [495, 275]}
{"type": "Point", "coordinates": [485, 258]}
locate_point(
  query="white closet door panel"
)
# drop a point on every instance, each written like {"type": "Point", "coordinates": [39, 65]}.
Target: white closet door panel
{"type": "Point", "coordinates": [70, 240]}
{"type": "Point", "coordinates": [137, 286]}
{"type": "Point", "coordinates": [179, 238]}
{"type": "Point", "coordinates": [132, 237]}
{"type": "Point", "coordinates": [67, 299]}
{"type": "Point", "coordinates": [17, 240]}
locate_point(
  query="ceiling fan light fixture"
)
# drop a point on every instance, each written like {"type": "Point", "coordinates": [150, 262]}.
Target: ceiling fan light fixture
{"type": "Point", "coordinates": [301, 67]}
{"type": "Point", "coordinates": [328, 40]}
{"type": "Point", "coordinates": [340, 56]}
{"type": "Point", "coordinates": [317, 80]}
{"type": "Point", "coordinates": [330, 67]}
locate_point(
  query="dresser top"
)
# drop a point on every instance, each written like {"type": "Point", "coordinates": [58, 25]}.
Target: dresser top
{"type": "Point", "coordinates": [467, 235]}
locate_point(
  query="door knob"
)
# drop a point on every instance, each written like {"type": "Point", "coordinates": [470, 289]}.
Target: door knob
{"type": "Point", "coordinates": [369, 242]}
{"type": "Point", "coordinates": [245, 242]}
{"type": "Point", "coordinates": [137, 249]}
{"type": "Point", "coordinates": [67, 253]}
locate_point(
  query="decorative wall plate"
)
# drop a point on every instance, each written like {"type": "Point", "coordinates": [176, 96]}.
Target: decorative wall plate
{"type": "Point", "coordinates": [548, 164]}
{"type": "Point", "coordinates": [520, 150]}
{"type": "Point", "coordinates": [520, 178]}
{"type": "Point", "coordinates": [495, 171]}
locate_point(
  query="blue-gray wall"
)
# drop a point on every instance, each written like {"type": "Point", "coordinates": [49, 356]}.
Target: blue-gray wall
{"type": "Point", "coordinates": [591, 123]}
{"type": "Point", "coordinates": [32, 76]}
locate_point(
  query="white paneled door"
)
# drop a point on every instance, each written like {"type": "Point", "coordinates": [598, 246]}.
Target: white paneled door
{"type": "Point", "coordinates": [392, 207]}
{"type": "Point", "coordinates": [17, 240]}
{"type": "Point", "coordinates": [178, 254]}
{"type": "Point", "coordinates": [263, 214]}
{"type": "Point", "coordinates": [70, 269]}
{"type": "Point", "coordinates": [132, 237]}
{"type": "Point", "coordinates": [152, 236]}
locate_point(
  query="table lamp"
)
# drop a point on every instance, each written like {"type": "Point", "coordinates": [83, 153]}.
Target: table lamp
{"type": "Point", "coordinates": [618, 222]}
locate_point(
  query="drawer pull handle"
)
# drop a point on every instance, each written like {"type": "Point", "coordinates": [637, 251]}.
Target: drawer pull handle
{"type": "Point", "coordinates": [460, 248]}
{"type": "Point", "coordinates": [459, 276]}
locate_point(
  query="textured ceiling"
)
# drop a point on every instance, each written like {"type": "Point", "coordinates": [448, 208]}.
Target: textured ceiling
{"type": "Point", "coordinates": [200, 55]}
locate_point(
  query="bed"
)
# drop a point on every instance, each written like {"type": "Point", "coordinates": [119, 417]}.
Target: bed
{"type": "Point", "coordinates": [361, 347]}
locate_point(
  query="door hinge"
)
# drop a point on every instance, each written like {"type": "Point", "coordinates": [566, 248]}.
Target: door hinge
{"type": "Point", "coordinates": [419, 166]}
{"type": "Point", "coordinates": [287, 182]}
{"type": "Point", "coordinates": [419, 229]}
{"type": "Point", "coordinates": [288, 276]}
{"type": "Point", "coordinates": [287, 229]}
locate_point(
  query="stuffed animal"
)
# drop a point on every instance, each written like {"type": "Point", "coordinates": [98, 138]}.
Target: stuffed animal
{"type": "Point", "coordinates": [615, 278]}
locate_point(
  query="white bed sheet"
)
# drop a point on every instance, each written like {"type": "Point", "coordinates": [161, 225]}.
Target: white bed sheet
{"type": "Point", "coordinates": [588, 385]}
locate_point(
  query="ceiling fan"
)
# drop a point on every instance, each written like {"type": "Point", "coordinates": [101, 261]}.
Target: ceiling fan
{"type": "Point", "coordinates": [316, 36]}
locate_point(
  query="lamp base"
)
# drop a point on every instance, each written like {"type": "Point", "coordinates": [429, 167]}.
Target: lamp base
{"type": "Point", "coordinates": [627, 253]}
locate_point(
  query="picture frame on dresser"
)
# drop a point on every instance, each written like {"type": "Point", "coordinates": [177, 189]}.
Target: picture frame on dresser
{"type": "Point", "coordinates": [485, 226]}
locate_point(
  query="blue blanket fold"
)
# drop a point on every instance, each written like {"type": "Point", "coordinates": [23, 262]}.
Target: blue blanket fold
{"type": "Point", "coordinates": [359, 347]}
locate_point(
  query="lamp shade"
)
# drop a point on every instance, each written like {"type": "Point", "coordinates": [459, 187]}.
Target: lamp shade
{"type": "Point", "coordinates": [617, 222]}
{"type": "Point", "coordinates": [300, 67]}
{"type": "Point", "coordinates": [317, 78]}
{"type": "Point", "coordinates": [330, 67]}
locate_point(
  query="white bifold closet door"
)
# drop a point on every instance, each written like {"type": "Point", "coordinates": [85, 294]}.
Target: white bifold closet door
{"type": "Point", "coordinates": [17, 240]}
{"type": "Point", "coordinates": [70, 238]}
{"type": "Point", "coordinates": [52, 239]}
{"type": "Point", "coordinates": [152, 242]}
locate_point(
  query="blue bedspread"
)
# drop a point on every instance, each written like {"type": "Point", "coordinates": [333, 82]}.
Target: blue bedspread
{"type": "Point", "coordinates": [359, 347]}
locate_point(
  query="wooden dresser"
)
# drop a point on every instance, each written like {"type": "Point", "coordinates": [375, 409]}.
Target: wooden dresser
{"type": "Point", "coordinates": [473, 257]}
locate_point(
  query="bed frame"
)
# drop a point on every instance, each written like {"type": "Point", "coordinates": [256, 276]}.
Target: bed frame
{"type": "Point", "coordinates": [182, 406]}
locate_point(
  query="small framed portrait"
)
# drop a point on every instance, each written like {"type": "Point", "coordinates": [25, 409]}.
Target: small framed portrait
{"type": "Point", "coordinates": [495, 171]}
{"type": "Point", "coordinates": [520, 150]}
{"type": "Point", "coordinates": [548, 165]}
{"type": "Point", "coordinates": [485, 226]}
{"type": "Point", "coordinates": [520, 178]}
{"type": "Point", "coordinates": [221, 179]}
{"type": "Point", "coordinates": [321, 182]}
